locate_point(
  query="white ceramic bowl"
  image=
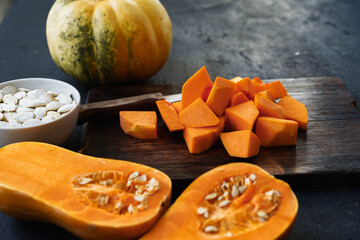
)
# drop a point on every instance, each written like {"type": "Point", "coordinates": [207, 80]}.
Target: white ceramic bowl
{"type": "Point", "coordinates": [55, 132]}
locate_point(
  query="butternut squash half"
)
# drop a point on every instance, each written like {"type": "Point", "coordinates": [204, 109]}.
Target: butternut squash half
{"type": "Point", "coordinates": [234, 201]}
{"type": "Point", "coordinates": [93, 198]}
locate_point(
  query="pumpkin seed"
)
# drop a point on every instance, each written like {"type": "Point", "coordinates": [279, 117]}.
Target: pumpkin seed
{"type": "Point", "coordinates": [24, 109]}
{"type": "Point", "coordinates": [84, 180]}
{"type": "Point", "coordinates": [1, 116]}
{"type": "Point", "coordinates": [9, 116]}
{"type": "Point", "coordinates": [8, 107]}
{"type": "Point", "coordinates": [4, 124]}
{"type": "Point", "coordinates": [108, 182]}
{"type": "Point", "coordinates": [141, 178]}
{"type": "Point", "coordinates": [252, 177]}
{"type": "Point", "coordinates": [211, 196]}
{"type": "Point", "coordinates": [40, 112]}
{"type": "Point", "coordinates": [103, 182]}
{"type": "Point", "coordinates": [153, 185]}
{"type": "Point", "coordinates": [22, 117]}
{"type": "Point", "coordinates": [242, 188]}
{"type": "Point", "coordinates": [234, 191]}
{"type": "Point", "coordinates": [46, 97]}
{"type": "Point", "coordinates": [1, 96]}
{"type": "Point", "coordinates": [53, 106]}
{"type": "Point", "coordinates": [129, 182]}
{"type": "Point", "coordinates": [211, 228]}
{"type": "Point", "coordinates": [107, 199]}
{"type": "Point", "coordinates": [47, 119]}
{"type": "Point", "coordinates": [269, 193]}
{"type": "Point", "coordinates": [118, 206]}
{"type": "Point", "coordinates": [64, 98]}
{"type": "Point", "coordinates": [54, 115]}
{"type": "Point", "coordinates": [201, 210]}
{"type": "Point", "coordinates": [23, 102]}
{"type": "Point", "coordinates": [14, 123]}
{"type": "Point", "coordinates": [103, 200]}
{"type": "Point", "coordinates": [224, 203]}
{"type": "Point", "coordinates": [24, 89]}
{"type": "Point", "coordinates": [37, 93]}
{"type": "Point", "coordinates": [141, 198]}
{"type": "Point", "coordinates": [19, 95]}
{"type": "Point", "coordinates": [133, 175]}
{"type": "Point", "coordinates": [130, 209]}
{"type": "Point", "coordinates": [10, 99]}
{"type": "Point", "coordinates": [262, 215]}
{"type": "Point", "coordinates": [65, 108]}
{"type": "Point", "coordinates": [31, 122]}
{"type": "Point", "coordinates": [8, 90]}
{"type": "Point", "coordinates": [35, 103]}
{"type": "Point", "coordinates": [52, 93]}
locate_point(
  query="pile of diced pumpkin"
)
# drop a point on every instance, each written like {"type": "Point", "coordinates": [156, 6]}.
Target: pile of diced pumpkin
{"type": "Point", "coordinates": [244, 113]}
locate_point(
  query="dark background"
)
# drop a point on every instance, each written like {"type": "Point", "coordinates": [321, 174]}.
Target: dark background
{"type": "Point", "coordinates": [267, 39]}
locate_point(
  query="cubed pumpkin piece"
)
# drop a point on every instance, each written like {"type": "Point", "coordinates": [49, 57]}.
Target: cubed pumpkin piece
{"type": "Point", "coordinates": [220, 95]}
{"type": "Point", "coordinates": [197, 86]}
{"type": "Point", "coordinates": [169, 115]}
{"type": "Point", "coordinates": [268, 108]}
{"type": "Point", "coordinates": [198, 114]}
{"type": "Point", "coordinates": [235, 80]}
{"type": "Point", "coordinates": [241, 117]}
{"type": "Point", "coordinates": [238, 98]}
{"type": "Point", "coordinates": [177, 106]}
{"type": "Point", "coordinates": [259, 85]}
{"type": "Point", "coordinates": [241, 144]}
{"type": "Point", "coordinates": [266, 94]}
{"type": "Point", "coordinates": [258, 80]}
{"type": "Point", "coordinates": [139, 124]}
{"type": "Point", "coordinates": [246, 86]}
{"type": "Point", "coordinates": [278, 90]}
{"type": "Point", "coordinates": [201, 139]}
{"type": "Point", "coordinates": [274, 132]}
{"type": "Point", "coordinates": [294, 110]}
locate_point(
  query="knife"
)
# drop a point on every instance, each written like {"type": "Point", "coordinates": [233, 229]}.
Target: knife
{"type": "Point", "coordinates": [140, 102]}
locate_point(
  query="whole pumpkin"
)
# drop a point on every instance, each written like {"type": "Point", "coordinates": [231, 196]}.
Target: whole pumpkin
{"type": "Point", "coordinates": [109, 42]}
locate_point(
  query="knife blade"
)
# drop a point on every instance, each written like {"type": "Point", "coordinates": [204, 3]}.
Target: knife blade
{"type": "Point", "coordinates": [140, 102]}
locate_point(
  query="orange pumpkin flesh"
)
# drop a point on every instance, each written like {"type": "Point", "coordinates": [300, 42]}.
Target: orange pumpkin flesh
{"type": "Point", "coordinates": [234, 201]}
{"type": "Point", "coordinates": [88, 196]}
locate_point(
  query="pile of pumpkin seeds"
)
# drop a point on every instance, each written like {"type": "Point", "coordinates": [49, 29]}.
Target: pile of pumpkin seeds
{"type": "Point", "coordinates": [22, 107]}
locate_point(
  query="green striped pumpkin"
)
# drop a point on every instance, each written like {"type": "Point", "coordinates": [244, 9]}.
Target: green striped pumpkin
{"type": "Point", "coordinates": [109, 42]}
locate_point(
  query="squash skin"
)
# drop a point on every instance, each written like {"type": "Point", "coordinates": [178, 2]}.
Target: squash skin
{"type": "Point", "coordinates": [109, 42]}
{"type": "Point", "coordinates": [182, 222]}
{"type": "Point", "coordinates": [36, 185]}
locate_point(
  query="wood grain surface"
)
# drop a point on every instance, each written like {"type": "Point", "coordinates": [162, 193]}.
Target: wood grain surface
{"type": "Point", "coordinates": [329, 146]}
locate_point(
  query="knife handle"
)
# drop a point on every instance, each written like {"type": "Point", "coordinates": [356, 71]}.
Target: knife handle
{"type": "Point", "coordinates": [140, 102]}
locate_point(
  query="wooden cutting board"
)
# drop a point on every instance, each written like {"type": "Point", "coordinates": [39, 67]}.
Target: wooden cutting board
{"type": "Point", "coordinates": [329, 148]}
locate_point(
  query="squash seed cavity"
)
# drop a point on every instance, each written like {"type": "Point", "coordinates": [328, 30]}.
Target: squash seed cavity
{"type": "Point", "coordinates": [233, 206]}
{"type": "Point", "coordinates": [116, 192]}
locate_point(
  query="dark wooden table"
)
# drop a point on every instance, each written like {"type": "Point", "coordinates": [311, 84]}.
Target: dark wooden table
{"type": "Point", "coordinates": [267, 39]}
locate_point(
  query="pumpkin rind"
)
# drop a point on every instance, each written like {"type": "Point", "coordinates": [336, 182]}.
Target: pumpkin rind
{"type": "Point", "coordinates": [185, 218]}
{"type": "Point", "coordinates": [39, 181]}
{"type": "Point", "coordinates": [109, 42]}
